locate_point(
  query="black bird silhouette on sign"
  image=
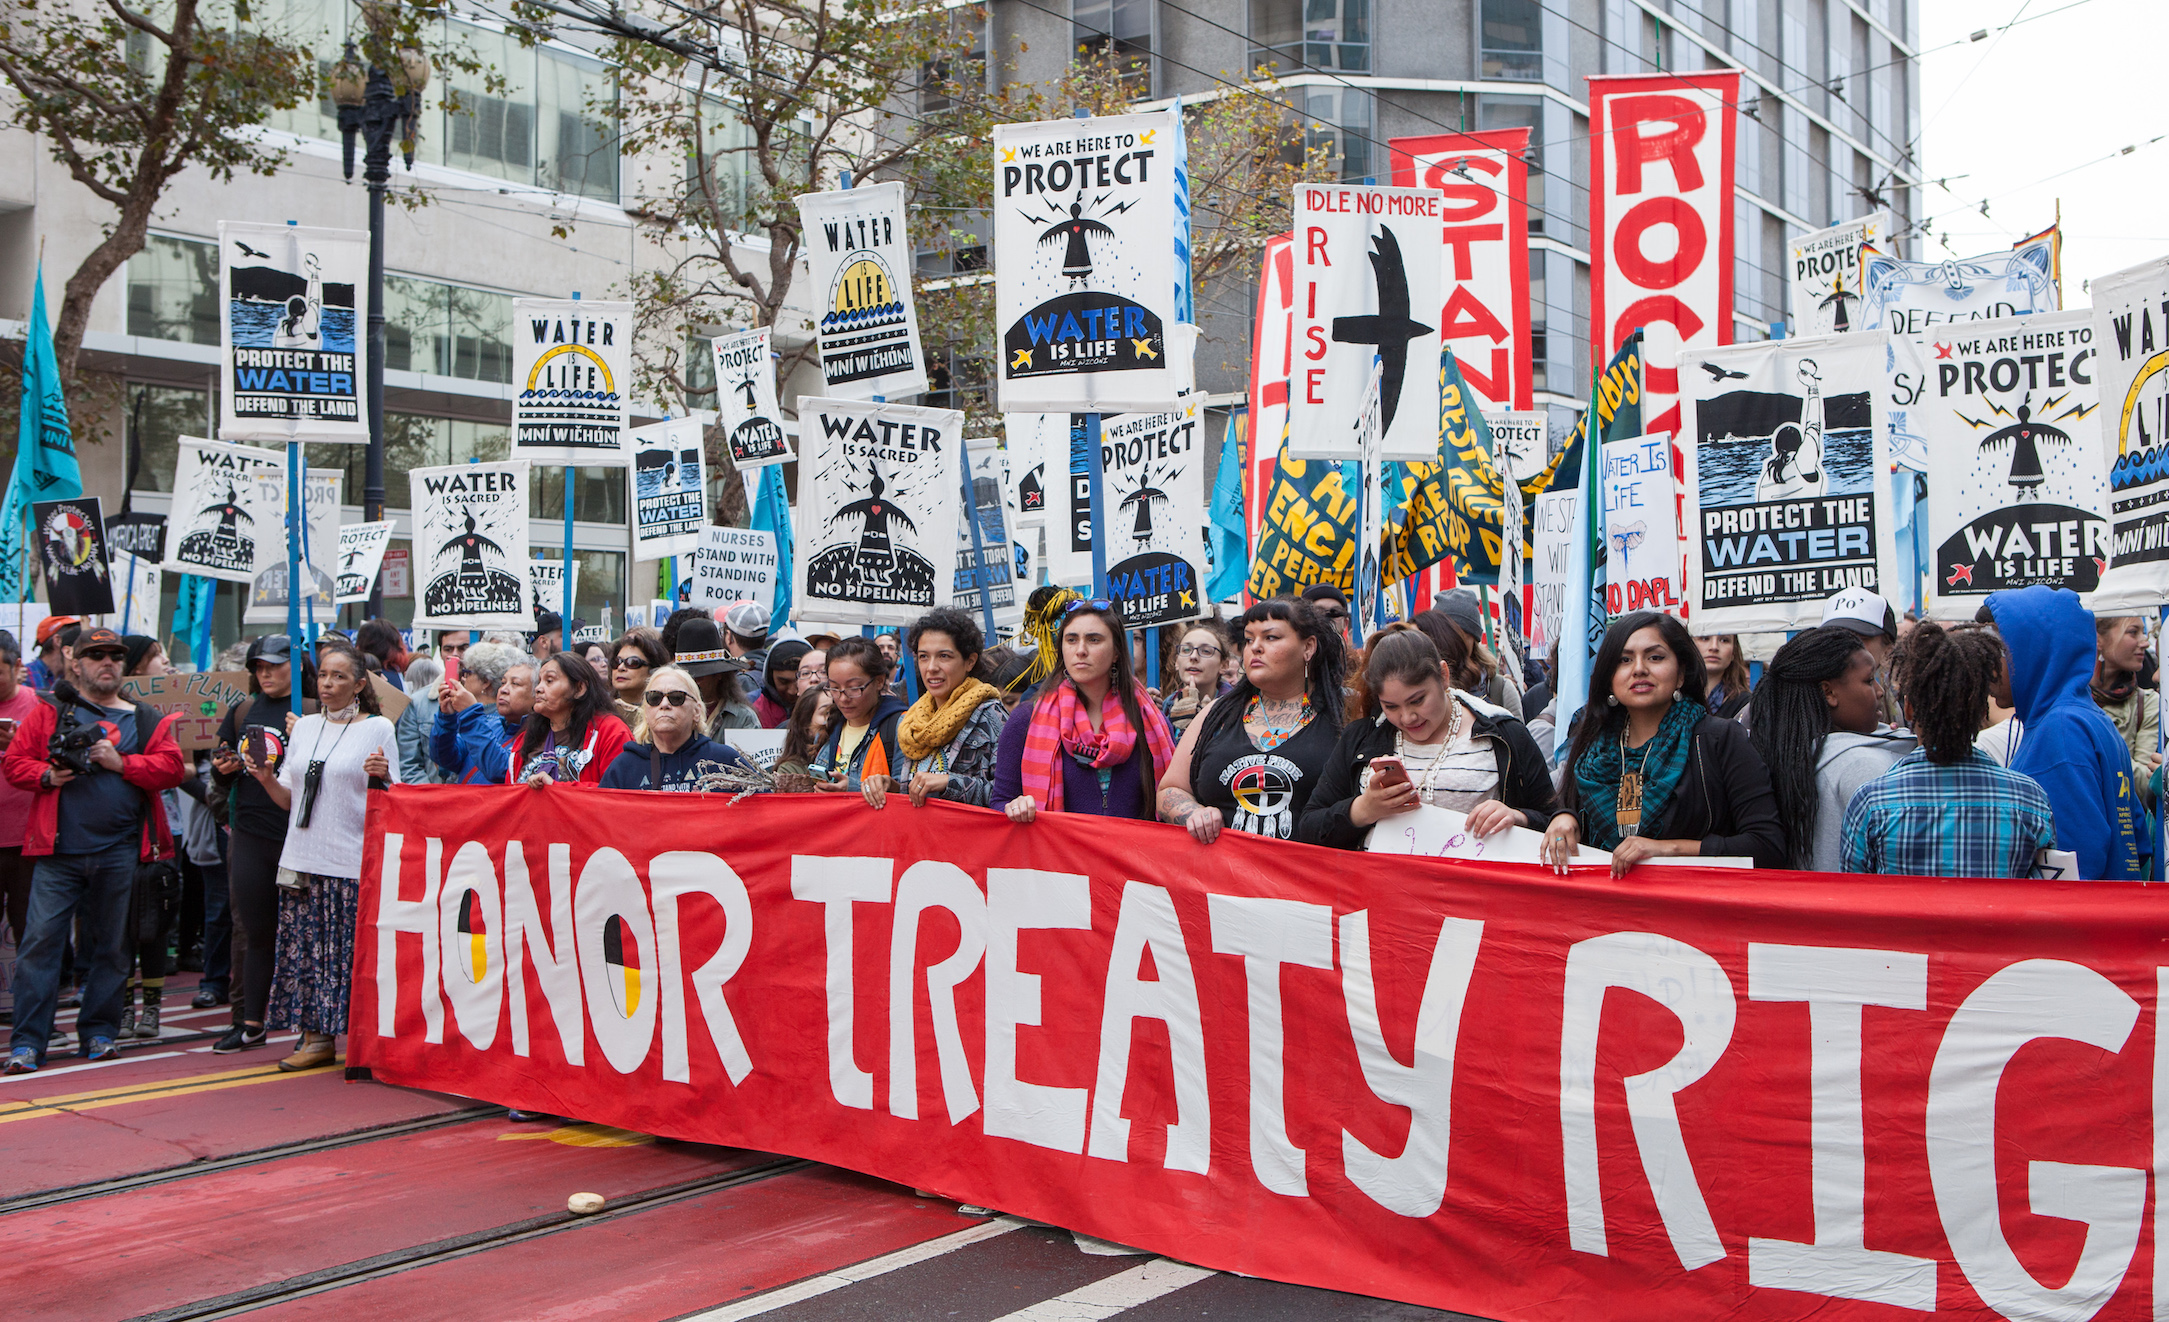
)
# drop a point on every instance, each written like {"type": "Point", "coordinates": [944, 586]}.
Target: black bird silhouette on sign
{"type": "Point", "coordinates": [876, 555]}
{"type": "Point", "coordinates": [2025, 438]}
{"type": "Point", "coordinates": [1720, 374]}
{"type": "Point", "coordinates": [229, 511]}
{"type": "Point", "coordinates": [470, 545]}
{"type": "Point", "coordinates": [251, 251]}
{"type": "Point", "coordinates": [1078, 231]}
{"type": "Point", "coordinates": [747, 387]}
{"type": "Point", "coordinates": [1142, 498]}
{"type": "Point", "coordinates": [1390, 330]}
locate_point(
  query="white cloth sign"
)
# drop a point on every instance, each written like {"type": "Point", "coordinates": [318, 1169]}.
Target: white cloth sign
{"type": "Point", "coordinates": [1520, 447]}
{"type": "Point", "coordinates": [1031, 439]}
{"type": "Point", "coordinates": [290, 352]}
{"type": "Point", "coordinates": [1826, 291]}
{"type": "Point", "coordinates": [1484, 311]}
{"type": "Point", "coordinates": [229, 503]}
{"type": "Point", "coordinates": [990, 507]}
{"type": "Point", "coordinates": [668, 488]}
{"type": "Point", "coordinates": [1641, 527]}
{"type": "Point", "coordinates": [1154, 482]}
{"type": "Point", "coordinates": [1369, 263]}
{"type": "Point", "coordinates": [1787, 480]}
{"type": "Point", "coordinates": [546, 581]}
{"type": "Point", "coordinates": [319, 557]}
{"type": "Point", "coordinates": [470, 546]}
{"type": "Point", "coordinates": [2131, 333]}
{"type": "Point", "coordinates": [745, 392]}
{"type": "Point", "coordinates": [135, 594]}
{"type": "Point", "coordinates": [1908, 298]}
{"type": "Point", "coordinates": [878, 499]}
{"type": "Point", "coordinates": [2018, 492]}
{"type": "Point", "coordinates": [1443, 833]}
{"type": "Point", "coordinates": [572, 361]}
{"type": "Point", "coordinates": [858, 254]}
{"type": "Point", "coordinates": [733, 564]}
{"type": "Point", "coordinates": [1084, 242]}
{"type": "Point", "coordinates": [1371, 524]}
{"type": "Point", "coordinates": [361, 554]}
{"type": "Point", "coordinates": [1552, 539]}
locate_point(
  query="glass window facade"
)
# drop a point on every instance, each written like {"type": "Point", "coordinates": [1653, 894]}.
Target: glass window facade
{"type": "Point", "coordinates": [1118, 30]}
{"type": "Point", "coordinates": [158, 417]}
{"type": "Point", "coordinates": [173, 290]}
{"type": "Point", "coordinates": [1292, 35]}
{"type": "Point", "coordinates": [1513, 39]}
{"type": "Point", "coordinates": [1338, 119]}
{"type": "Point", "coordinates": [448, 330]}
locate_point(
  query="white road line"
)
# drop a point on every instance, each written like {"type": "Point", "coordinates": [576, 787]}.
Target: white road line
{"type": "Point", "coordinates": [269, 1042]}
{"type": "Point", "coordinates": [815, 1286]}
{"type": "Point", "coordinates": [44, 1074]}
{"type": "Point", "coordinates": [1115, 1294]}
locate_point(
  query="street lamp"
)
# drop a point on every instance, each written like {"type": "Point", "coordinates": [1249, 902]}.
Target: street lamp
{"type": "Point", "coordinates": [369, 105]}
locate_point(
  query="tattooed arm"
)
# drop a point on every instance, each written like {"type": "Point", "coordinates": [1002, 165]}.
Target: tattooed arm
{"type": "Point", "coordinates": [1176, 803]}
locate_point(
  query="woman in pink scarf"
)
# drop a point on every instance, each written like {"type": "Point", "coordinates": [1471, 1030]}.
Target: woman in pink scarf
{"type": "Point", "coordinates": [1087, 741]}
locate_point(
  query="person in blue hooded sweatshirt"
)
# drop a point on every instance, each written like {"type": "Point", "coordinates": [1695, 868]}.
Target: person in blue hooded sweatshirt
{"type": "Point", "coordinates": [2065, 742]}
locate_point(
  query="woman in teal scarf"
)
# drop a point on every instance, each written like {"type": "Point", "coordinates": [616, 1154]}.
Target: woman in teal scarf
{"type": "Point", "coordinates": [1651, 773]}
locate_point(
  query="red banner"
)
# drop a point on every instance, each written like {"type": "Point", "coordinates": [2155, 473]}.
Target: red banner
{"type": "Point", "coordinates": [1484, 308]}
{"type": "Point", "coordinates": [1660, 221]}
{"type": "Point", "coordinates": [1696, 1093]}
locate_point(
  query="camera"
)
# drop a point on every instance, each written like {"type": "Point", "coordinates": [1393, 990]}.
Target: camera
{"type": "Point", "coordinates": [73, 736]}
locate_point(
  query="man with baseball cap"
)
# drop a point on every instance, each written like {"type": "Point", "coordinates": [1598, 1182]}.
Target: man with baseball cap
{"type": "Point", "coordinates": [745, 636]}
{"type": "Point", "coordinates": [1869, 615]}
{"type": "Point", "coordinates": [94, 813]}
{"type": "Point", "coordinates": [49, 666]}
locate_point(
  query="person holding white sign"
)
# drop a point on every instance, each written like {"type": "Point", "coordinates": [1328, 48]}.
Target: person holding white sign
{"type": "Point", "coordinates": [946, 740]}
{"type": "Point", "coordinates": [1425, 742]}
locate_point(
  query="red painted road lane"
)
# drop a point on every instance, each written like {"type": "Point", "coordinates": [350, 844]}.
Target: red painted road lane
{"type": "Point", "coordinates": [155, 1114]}
{"type": "Point", "coordinates": [718, 1248]}
{"type": "Point", "coordinates": [137, 1252]}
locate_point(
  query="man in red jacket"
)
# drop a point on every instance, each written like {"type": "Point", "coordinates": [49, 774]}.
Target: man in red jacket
{"type": "Point", "coordinates": [94, 813]}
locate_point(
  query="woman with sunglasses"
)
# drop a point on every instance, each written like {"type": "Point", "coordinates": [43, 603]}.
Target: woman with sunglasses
{"type": "Point", "coordinates": [861, 738]}
{"type": "Point", "coordinates": [671, 754]}
{"type": "Point", "coordinates": [1088, 741]}
{"type": "Point", "coordinates": [946, 738]}
{"type": "Point", "coordinates": [636, 655]}
{"type": "Point", "coordinates": [573, 734]}
{"type": "Point", "coordinates": [1197, 675]}
{"type": "Point", "coordinates": [332, 760]}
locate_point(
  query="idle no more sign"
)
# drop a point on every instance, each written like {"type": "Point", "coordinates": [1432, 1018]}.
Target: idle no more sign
{"type": "Point", "coordinates": [734, 564]}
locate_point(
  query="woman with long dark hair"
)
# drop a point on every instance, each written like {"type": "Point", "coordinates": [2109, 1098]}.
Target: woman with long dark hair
{"type": "Point", "coordinates": [861, 739]}
{"type": "Point", "coordinates": [1422, 742]}
{"type": "Point", "coordinates": [1088, 740]}
{"type": "Point", "coordinates": [1251, 760]}
{"type": "Point", "coordinates": [573, 734]}
{"type": "Point", "coordinates": [1726, 666]}
{"type": "Point", "coordinates": [637, 654]}
{"type": "Point", "coordinates": [945, 740]}
{"type": "Point", "coordinates": [779, 683]}
{"type": "Point", "coordinates": [1651, 773]}
{"type": "Point", "coordinates": [1818, 728]}
{"type": "Point", "coordinates": [803, 737]}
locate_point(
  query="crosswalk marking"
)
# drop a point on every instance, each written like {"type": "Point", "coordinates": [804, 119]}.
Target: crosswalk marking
{"type": "Point", "coordinates": [1114, 1294]}
{"type": "Point", "coordinates": [815, 1286]}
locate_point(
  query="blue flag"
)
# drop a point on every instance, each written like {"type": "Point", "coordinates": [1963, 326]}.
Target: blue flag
{"type": "Point", "coordinates": [772, 510]}
{"type": "Point", "coordinates": [45, 466]}
{"type": "Point", "coordinates": [1185, 290]}
{"type": "Point", "coordinates": [1230, 551]}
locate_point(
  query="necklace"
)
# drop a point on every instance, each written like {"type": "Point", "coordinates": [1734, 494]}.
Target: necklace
{"type": "Point", "coordinates": [1438, 759]}
{"type": "Point", "coordinates": [344, 714]}
{"type": "Point", "coordinates": [1272, 736]}
{"type": "Point", "coordinates": [1629, 814]}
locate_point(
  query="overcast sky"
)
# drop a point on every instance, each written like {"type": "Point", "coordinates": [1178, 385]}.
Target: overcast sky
{"type": "Point", "coordinates": [2071, 84]}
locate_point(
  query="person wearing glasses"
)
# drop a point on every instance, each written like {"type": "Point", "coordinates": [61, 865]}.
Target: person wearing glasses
{"type": "Point", "coordinates": [332, 760]}
{"type": "Point", "coordinates": [637, 654]}
{"type": "Point", "coordinates": [1197, 675]}
{"type": "Point", "coordinates": [1087, 741]}
{"type": "Point", "coordinates": [947, 738]}
{"type": "Point", "coordinates": [670, 753]}
{"type": "Point", "coordinates": [861, 738]}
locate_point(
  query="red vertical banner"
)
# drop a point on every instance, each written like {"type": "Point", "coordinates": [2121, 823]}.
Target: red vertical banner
{"type": "Point", "coordinates": [1660, 222]}
{"type": "Point", "coordinates": [1484, 304]}
{"type": "Point", "coordinates": [1272, 343]}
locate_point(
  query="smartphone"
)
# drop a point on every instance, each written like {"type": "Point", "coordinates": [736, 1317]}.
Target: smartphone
{"type": "Point", "coordinates": [7, 725]}
{"type": "Point", "coordinates": [451, 670]}
{"type": "Point", "coordinates": [258, 745]}
{"type": "Point", "coordinates": [1387, 770]}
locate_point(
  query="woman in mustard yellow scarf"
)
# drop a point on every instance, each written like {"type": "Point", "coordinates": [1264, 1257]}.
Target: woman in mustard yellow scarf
{"type": "Point", "coordinates": [946, 741]}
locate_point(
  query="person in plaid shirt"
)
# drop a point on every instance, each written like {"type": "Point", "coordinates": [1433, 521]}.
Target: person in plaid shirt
{"type": "Point", "coordinates": [1947, 809]}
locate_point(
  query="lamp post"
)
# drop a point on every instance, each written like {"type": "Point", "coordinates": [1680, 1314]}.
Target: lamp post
{"type": "Point", "coordinates": [369, 105]}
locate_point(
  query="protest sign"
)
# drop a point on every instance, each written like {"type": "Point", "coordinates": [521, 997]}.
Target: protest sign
{"type": "Point", "coordinates": [1032, 439]}
{"type": "Point", "coordinates": [1484, 319]}
{"type": "Point", "coordinates": [319, 557]}
{"type": "Point", "coordinates": [1369, 265]}
{"type": "Point", "coordinates": [1309, 530]}
{"type": "Point", "coordinates": [2131, 339]}
{"type": "Point", "coordinates": [1272, 354]}
{"type": "Point", "coordinates": [1909, 298]}
{"type": "Point", "coordinates": [991, 510]}
{"type": "Point", "coordinates": [1433, 832]}
{"type": "Point", "coordinates": [1660, 222]}
{"type": "Point", "coordinates": [546, 584]}
{"type": "Point", "coordinates": [1364, 604]}
{"type": "Point", "coordinates": [1154, 485]}
{"type": "Point", "coordinates": [745, 392]}
{"type": "Point", "coordinates": [1826, 285]}
{"type": "Point", "coordinates": [669, 487]}
{"type": "Point", "coordinates": [72, 554]}
{"type": "Point", "coordinates": [291, 361]}
{"type": "Point", "coordinates": [1553, 539]}
{"type": "Point", "coordinates": [1084, 288]}
{"type": "Point", "coordinates": [470, 546]}
{"type": "Point", "coordinates": [572, 361]}
{"type": "Point", "coordinates": [361, 555]}
{"type": "Point", "coordinates": [2019, 492]}
{"type": "Point", "coordinates": [1641, 527]}
{"type": "Point", "coordinates": [136, 593]}
{"type": "Point", "coordinates": [398, 572]}
{"type": "Point", "coordinates": [200, 699]}
{"type": "Point", "coordinates": [227, 500]}
{"type": "Point", "coordinates": [761, 747]}
{"type": "Point", "coordinates": [733, 564]}
{"type": "Point", "coordinates": [859, 256]}
{"type": "Point", "coordinates": [878, 498]}
{"type": "Point", "coordinates": [1535, 1156]}
{"type": "Point", "coordinates": [1788, 476]}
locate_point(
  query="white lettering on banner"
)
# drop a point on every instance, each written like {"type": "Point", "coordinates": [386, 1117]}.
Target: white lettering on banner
{"type": "Point", "coordinates": [1836, 984]}
{"type": "Point", "coordinates": [418, 917]}
{"type": "Point", "coordinates": [837, 884]}
{"type": "Point", "coordinates": [1267, 934]}
{"type": "Point", "coordinates": [1694, 988]}
{"type": "Point", "coordinates": [1147, 922]}
{"type": "Point", "coordinates": [673, 877]}
{"type": "Point", "coordinates": [477, 996]}
{"type": "Point", "coordinates": [929, 884]}
{"type": "Point", "coordinates": [557, 966]}
{"type": "Point", "coordinates": [620, 1000]}
{"type": "Point", "coordinates": [1414, 1183]}
{"type": "Point", "coordinates": [2025, 1002]}
{"type": "Point", "coordinates": [1022, 899]}
{"type": "Point", "coordinates": [1484, 310]}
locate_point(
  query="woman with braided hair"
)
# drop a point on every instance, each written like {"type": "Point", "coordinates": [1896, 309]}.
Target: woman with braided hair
{"type": "Point", "coordinates": [1817, 727]}
{"type": "Point", "coordinates": [1947, 809]}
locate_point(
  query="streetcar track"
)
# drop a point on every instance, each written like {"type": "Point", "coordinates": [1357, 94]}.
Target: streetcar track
{"type": "Point", "coordinates": [327, 1279]}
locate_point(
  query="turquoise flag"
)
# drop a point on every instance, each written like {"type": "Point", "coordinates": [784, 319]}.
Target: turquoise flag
{"type": "Point", "coordinates": [45, 467]}
{"type": "Point", "coordinates": [1231, 560]}
{"type": "Point", "coordinates": [772, 510]}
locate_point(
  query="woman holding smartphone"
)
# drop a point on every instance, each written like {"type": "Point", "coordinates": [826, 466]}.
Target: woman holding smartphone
{"type": "Point", "coordinates": [333, 759]}
{"type": "Point", "coordinates": [1423, 742]}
